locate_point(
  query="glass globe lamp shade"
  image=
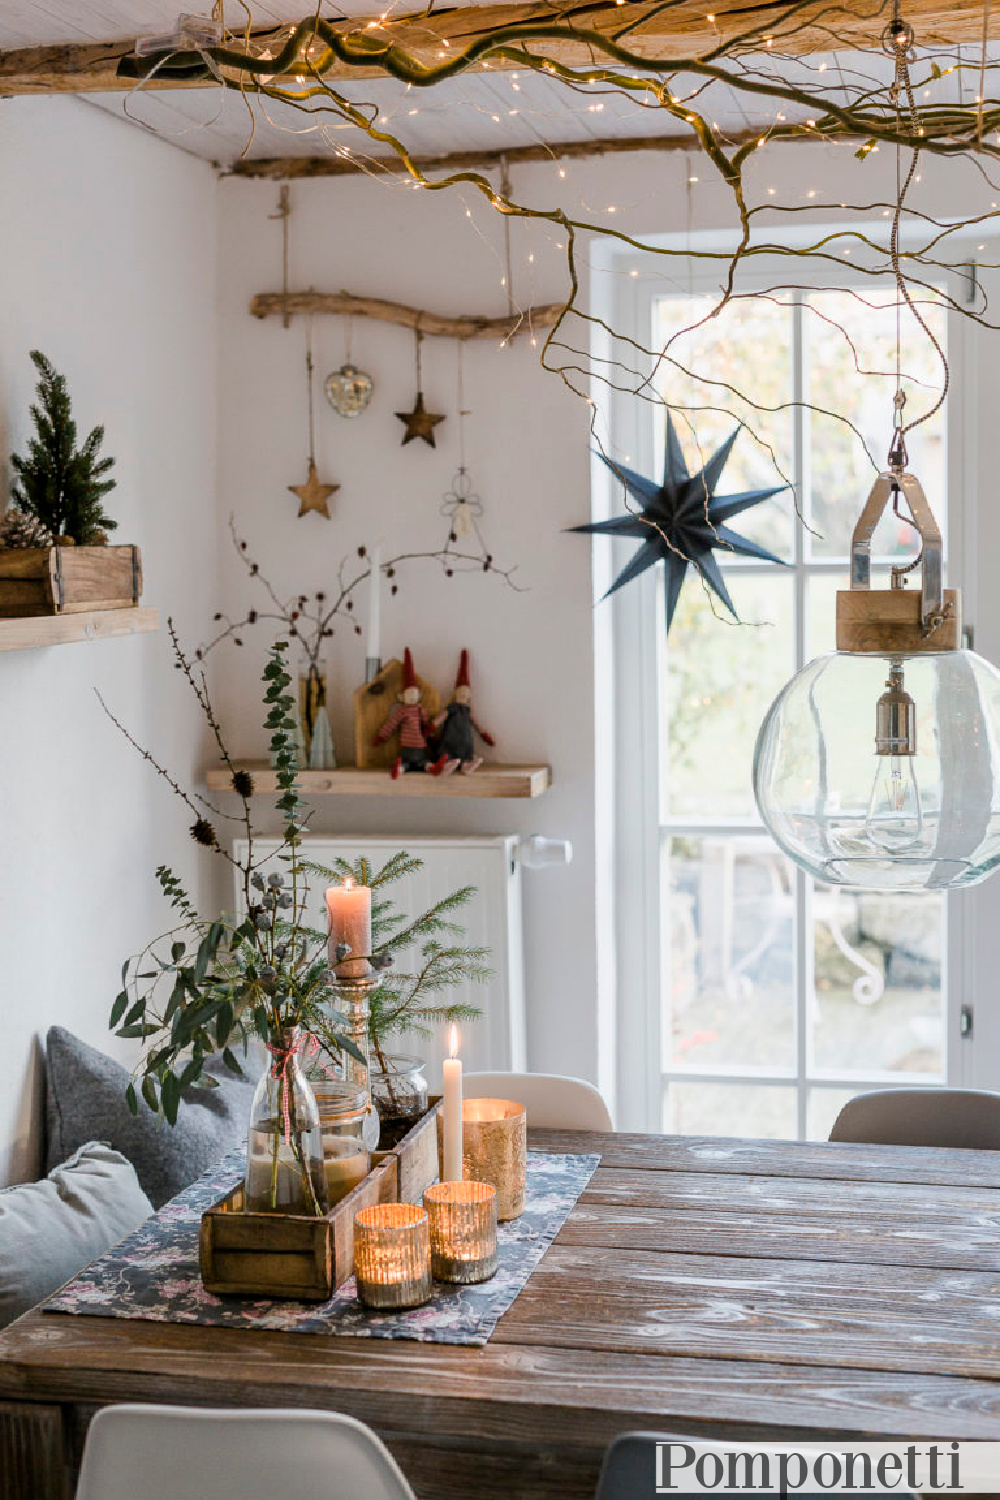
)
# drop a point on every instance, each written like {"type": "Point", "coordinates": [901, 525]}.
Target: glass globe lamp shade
{"type": "Point", "coordinates": [853, 807]}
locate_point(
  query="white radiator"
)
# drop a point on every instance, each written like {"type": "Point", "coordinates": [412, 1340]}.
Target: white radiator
{"type": "Point", "coordinates": [491, 920]}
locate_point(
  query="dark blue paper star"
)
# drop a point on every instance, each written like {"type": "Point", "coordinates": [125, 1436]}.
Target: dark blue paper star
{"type": "Point", "coordinates": [682, 521]}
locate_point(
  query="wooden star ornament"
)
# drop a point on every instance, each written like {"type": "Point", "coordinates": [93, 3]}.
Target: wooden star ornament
{"type": "Point", "coordinates": [313, 495]}
{"type": "Point", "coordinates": [682, 521]}
{"type": "Point", "coordinates": [420, 423]}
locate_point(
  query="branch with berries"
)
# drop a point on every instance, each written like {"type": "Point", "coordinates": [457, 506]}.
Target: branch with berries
{"type": "Point", "coordinates": [309, 618]}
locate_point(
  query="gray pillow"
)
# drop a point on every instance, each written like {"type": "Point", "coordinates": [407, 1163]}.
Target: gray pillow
{"type": "Point", "coordinates": [86, 1102]}
{"type": "Point", "coordinates": [50, 1230]}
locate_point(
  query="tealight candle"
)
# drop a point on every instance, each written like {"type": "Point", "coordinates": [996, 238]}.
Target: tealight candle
{"type": "Point", "coordinates": [463, 1227]}
{"type": "Point", "coordinates": [349, 913]}
{"type": "Point", "coordinates": [392, 1255]}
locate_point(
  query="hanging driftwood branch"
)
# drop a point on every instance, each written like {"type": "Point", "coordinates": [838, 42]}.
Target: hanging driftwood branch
{"type": "Point", "coordinates": [343, 304]}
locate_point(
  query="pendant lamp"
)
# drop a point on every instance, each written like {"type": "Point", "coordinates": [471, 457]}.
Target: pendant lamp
{"type": "Point", "coordinates": [878, 765]}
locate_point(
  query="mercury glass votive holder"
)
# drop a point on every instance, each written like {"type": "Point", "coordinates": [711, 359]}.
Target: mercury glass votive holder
{"type": "Point", "coordinates": [495, 1149]}
{"type": "Point", "coordinates": [463, 1225]}
{"type": "Point", "coordinates": [392, 1255]}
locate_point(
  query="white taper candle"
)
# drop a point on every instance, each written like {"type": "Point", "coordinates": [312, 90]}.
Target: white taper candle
{"type": "Point", "coordinates": [451, 1166]}
{"type": "Point", "coordinates": [373, 646]}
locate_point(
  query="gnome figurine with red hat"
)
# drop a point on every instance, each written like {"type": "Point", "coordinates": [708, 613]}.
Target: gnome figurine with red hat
{"type": "Point", "coordinates": [411, 719]}
{"type": "Point", "coordinates": [456, 744]}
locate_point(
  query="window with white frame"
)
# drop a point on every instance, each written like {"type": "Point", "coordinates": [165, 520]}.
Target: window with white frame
{"type": "Point", "coordinates": [770, 999]}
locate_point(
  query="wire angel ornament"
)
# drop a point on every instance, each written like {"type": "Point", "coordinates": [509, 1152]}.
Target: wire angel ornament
{"type": "Point", "coordinates": [463, 508]}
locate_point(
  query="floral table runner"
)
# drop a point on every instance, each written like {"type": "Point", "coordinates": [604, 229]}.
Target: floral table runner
{"type": "Point", "coordinates": [153, 1274]}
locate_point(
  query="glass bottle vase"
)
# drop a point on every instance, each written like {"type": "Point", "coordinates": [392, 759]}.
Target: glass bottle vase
{"type": "Point", "coordinates": [285, 1170]}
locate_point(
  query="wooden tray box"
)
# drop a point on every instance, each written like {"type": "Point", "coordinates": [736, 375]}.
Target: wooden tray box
{"type": "Point", "coordinates": [298, 1256]}
{"type": "Point", "coordinates": [68, 580]}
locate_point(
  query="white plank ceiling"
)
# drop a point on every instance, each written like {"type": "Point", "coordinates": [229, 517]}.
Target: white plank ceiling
{"type": "Point", "coordinates": [478, 112]}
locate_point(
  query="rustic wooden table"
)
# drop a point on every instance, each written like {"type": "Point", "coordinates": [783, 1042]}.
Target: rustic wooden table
{"type": "Point", "coordinates": [713, 1287]}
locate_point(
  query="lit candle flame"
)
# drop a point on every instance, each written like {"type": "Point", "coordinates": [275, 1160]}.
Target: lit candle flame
{"type": "Point", "coordinates": [348, 883]}
{"type": "Point", "coordinates": [453, 1051]}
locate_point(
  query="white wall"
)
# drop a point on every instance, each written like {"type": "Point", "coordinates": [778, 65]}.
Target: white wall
{"type": "Point", "coordinates": [107, 264]}
{"type": "Point", "coordinates": [527, 450]}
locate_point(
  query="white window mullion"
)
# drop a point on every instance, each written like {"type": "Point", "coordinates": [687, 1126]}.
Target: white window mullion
{"type": "Point", "coordinates": [800, 448]}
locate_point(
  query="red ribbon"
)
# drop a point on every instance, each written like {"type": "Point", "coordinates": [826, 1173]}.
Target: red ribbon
{"type": "Point", "coordinates": [284, 1058]}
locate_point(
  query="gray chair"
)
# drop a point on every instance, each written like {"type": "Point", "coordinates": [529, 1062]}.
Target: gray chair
{"type": "Point", "coordinates": [921, 1117]}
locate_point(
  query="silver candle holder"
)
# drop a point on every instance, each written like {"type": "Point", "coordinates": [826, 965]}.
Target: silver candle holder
{"type": "Point", "coordinates": [352, 998]}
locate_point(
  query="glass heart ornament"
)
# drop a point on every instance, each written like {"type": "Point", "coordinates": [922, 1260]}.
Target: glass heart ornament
{"type": "Point", "coordinates": [349, 390]}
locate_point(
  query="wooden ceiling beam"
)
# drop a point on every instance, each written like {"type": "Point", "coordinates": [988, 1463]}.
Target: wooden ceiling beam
{"type": "Point", "coordinates": [289, 168]}
{"type": "Point", "coordinates": [649, 28]}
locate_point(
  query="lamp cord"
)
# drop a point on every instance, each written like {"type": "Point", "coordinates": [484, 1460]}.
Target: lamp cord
{"type": "Point", "coordinates": [899, 43]}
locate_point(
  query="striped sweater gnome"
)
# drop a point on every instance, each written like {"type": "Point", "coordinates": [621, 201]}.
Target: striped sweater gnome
{"type": "Point", "coordinates": [456, 725]}
{"type": "Point", "coordinates": [410, 718]}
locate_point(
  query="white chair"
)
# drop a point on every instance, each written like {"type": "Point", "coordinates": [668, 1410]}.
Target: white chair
{"type": "Point", "coordinates": [921, 1117]}
{"type": "Point", "coordinates": [182, 1453]}
{"type": "Point", "coordinates": [552, 1102]}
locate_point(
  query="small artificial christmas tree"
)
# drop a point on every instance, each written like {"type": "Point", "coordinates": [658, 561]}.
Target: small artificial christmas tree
{"type": "Point", "coordinates": [61, 485]}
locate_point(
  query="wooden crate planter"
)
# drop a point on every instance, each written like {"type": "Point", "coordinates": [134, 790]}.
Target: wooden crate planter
{"type": "Point", "coordinates": [299, 1256]}
{"type": "Point", "coordinates": [68, 580]}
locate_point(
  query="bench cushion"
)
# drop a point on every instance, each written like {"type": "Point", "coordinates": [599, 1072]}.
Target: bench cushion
{"type": "Point", "coordinates": [86, 1102]}
{"type": "Point", "coordinates": [50, 1230]}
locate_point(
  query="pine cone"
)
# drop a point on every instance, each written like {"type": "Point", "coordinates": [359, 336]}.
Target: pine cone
{"type": "Point", "coordinates": [203, 833]}
{"type": "Point", "coordinates": [19, 529]}
{"type": "Point", "coordinates": [243, 783]}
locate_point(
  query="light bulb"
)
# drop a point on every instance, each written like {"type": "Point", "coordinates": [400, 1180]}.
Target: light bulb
{"type": "Point", "coordinates": [895, 820]}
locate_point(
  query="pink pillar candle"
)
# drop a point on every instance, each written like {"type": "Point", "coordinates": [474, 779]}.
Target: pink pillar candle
{"type": "Point", "coordinates": [349, 910]}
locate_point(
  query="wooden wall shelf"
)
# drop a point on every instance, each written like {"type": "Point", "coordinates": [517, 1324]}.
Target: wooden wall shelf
{"type": "Point", "coordinates": [349, 781]}
{"type": "Point", "coordinates": [27, 633]}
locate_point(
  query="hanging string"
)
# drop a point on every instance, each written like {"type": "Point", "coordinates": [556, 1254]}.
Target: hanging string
{"type": "Point", "coordinates": [309, 387]}
{"type": "Point", "coordinates": [418, 340]}
{"type": "Point", "coordinates": [982, 72]}
{"type": "Point", "coordinates": [462, 413]}
{"type": "Point", "coordinates": [898, 41]}
{"type": "Point", "coordinates": [348, 339]}
{"type": "Point", "coordinates": [687, 226]}
{"type": "Point", "coordinates": [505, 191]}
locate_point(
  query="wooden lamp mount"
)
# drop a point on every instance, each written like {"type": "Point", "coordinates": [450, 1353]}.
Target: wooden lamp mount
{"type": "Point", "coordinates": [892, 622]}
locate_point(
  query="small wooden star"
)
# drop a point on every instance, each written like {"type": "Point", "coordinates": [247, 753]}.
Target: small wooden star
{"type": "Point", "coordinates": [420, 423]}
{"type": "Point", "coordinates": [313, 495]}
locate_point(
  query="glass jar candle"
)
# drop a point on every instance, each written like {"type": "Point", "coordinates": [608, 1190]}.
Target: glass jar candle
{"type": "Point", "coordinates": [399, 1094]}
{"type": "Point", "coordinates": [392, 1255]}
{"type": "Point", "coordinates": [463, 1228]}
{"type": "Point", "coordinates": [342, 1110]}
